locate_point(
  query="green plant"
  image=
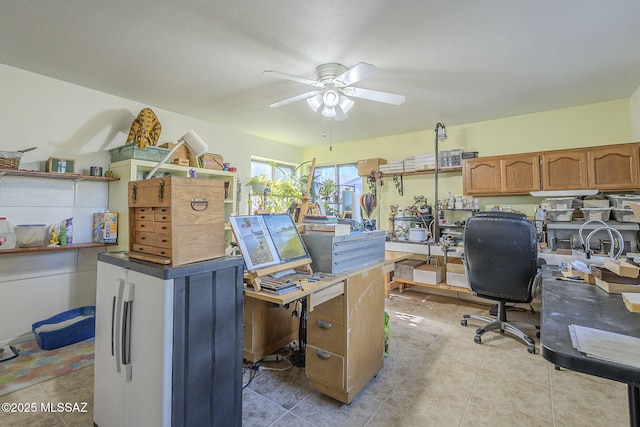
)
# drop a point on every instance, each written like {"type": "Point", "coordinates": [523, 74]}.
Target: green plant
{"type": "Point", "coordinates": [327, 193]}
{"type": "Point", "coordinates": [288, 189]}
{"type": "Point", "coordinates": [258, 183]}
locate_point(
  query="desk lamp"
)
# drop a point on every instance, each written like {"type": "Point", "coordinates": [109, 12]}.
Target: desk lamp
{"type": "Point", "coordinates": [441, 135]}
{"type": "Point", "coordinates": [197, 146]}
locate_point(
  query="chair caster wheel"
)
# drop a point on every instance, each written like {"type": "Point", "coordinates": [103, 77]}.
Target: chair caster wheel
{"type": "Point", "coordinates": [531, 349]}
{"type": "Point", "coordinates": [538, 334]}
{"type": "Point", "coordinates": [478, 339]}
{"type": "Point", "coordinates": [463, 322]}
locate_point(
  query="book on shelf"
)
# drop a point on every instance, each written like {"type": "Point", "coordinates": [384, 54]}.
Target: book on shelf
{"type": "Point", "coordinates": [279, 289]}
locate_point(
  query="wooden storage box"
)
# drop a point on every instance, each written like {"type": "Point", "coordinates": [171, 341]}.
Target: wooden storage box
{"type": "Point", "coordinates": [366, 166]}
{"type": "Point", "coordinates": [176, 220]}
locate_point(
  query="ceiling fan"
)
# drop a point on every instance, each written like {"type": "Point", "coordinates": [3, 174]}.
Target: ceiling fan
{"type": "Point", "coordinates": [332, 88]}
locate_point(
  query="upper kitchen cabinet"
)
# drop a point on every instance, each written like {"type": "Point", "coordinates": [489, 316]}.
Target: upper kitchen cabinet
{"type": "Point", "coordinates": [564, 170]}
{"type": "Point", "coordinates": [514, 174]}
{"type": "Point", "coordinates": [520, 173]}
{"type": "Point", "coordinates": [613, 167]}
{"type": "Point", "coordinates": [481, 176]}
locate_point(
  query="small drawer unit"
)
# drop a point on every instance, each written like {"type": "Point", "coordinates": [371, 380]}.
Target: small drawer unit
{"type": "Point", "coordinates": [176, 220]}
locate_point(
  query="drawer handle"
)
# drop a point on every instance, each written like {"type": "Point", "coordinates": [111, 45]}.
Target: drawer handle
{"type": "Point", "coordinates": [323, 324]}
{"type": "Point", "coordinates": [199, 204]}
{"type": "Point", "coordinates": [323, 355]}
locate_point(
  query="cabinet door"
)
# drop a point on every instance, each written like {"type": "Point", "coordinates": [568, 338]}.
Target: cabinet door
{"type": "Point", "coordinates": [520, 174]}
{"type": "Point", "coordinates": [564, 170]}
{"type": "Point", "coordinates": [481, 176]}
{"type": "Point", "coordinates": [614, 167]}
{"type": "Point", "coordinates": [108, 379]}
{"type": "Point", "coordinates": [147, 396]}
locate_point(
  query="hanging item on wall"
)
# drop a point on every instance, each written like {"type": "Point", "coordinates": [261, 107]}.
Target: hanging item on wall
{"type": "Point", "coordinates": [368, 202]}
{"type": "Point", "coordinates": [145, 129]}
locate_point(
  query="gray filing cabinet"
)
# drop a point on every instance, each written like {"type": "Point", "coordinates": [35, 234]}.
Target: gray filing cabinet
{"type": "Point", "coordinates": [338, 254]}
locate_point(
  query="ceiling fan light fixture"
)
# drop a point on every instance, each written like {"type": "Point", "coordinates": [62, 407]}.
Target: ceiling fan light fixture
{"type": "Point", "coordinates": [345, 104]}
{"type": "Point", "coordinates": [329, 112]}
{"type": "Point", "coordinates": [315, 102]}
{"type": "Point", "coordinates": [331, 98]}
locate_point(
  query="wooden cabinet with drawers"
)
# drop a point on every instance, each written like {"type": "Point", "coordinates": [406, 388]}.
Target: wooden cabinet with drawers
{"type": "Point", "coordinates": [175, 220]}
{"type": "Point", "coordinates": [345, 337]}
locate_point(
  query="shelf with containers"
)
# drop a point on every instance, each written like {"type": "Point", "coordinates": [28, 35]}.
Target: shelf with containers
{"type": "Point", "coordinates": [133, 170]}
{"type": "Point", "coordinates": [31, 190]}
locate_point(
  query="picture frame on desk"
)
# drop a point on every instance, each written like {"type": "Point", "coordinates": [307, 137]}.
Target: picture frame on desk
{"type": "Point", "coordinates": [60, 165]}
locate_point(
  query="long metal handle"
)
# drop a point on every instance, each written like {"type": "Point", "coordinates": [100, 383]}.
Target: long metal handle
{"type": "Point", "coordinates": [126, 329]}
{"type": "Point", "coordinates": [116, 324]}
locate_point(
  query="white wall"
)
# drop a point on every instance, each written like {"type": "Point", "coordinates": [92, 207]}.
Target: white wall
{"type": "Point", "coordinates": [69, 121]}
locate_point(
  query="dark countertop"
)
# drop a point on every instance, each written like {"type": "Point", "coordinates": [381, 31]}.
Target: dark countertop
{"type": "Point", "coordinates": [166, 271]}
{"type": "Point", "coordinates": [565, 303]}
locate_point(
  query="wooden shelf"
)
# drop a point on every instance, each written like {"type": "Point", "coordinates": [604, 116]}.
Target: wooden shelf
{"type": "Point", "coordinates": [55, 175]}
{"type": "Point", "coordinates": [55, 248]}
{"type": "Point", "coordinates": [442, 286]}
{"type": "Point", "coordinates": [425, 172]}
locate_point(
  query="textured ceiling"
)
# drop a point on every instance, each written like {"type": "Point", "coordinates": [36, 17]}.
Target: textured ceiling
{"type": "Point", "coordinates": [455, 61]}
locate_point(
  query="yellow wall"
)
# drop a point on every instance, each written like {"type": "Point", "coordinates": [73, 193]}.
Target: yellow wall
{"type": "Point", "coordinates": [588, 125]}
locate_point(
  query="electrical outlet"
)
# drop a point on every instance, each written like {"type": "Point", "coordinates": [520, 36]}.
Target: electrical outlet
{"type": "Point", "coordinates": [272, 358]}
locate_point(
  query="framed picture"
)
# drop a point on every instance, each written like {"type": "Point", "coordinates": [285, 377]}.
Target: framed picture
{"type": "Point", "coordinates": [55, 164]}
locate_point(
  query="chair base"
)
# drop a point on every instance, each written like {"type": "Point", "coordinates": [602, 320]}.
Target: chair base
{"type": "Point", "coordinates": [503, 326]}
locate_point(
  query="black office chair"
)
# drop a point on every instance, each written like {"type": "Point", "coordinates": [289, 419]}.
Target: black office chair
{"type": "Point", "coordinates": [501, 254]}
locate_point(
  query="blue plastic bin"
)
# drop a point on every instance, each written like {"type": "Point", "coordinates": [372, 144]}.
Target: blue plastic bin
{"type": "Point", "coordinates": [75, 332]}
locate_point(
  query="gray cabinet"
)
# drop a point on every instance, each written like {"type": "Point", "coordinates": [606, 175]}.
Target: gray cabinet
{"type": "Point", "coordinates": [168, 348]}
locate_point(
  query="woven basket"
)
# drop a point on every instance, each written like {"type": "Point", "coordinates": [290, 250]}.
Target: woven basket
{"type": "Point", "coordinates": [9, 159]}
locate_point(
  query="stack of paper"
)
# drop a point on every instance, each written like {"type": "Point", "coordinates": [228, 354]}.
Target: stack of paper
{"type": "Point", "coordinates": [603, 345]}
{"type": "Point", "coordinates": [425, 161]}
{"type": "Point", "coordinates": [410, 164]}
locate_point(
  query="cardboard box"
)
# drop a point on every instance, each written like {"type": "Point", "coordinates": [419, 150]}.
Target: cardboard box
{"type": "Point", "coordinates": [366, 166]}
{"type": "Point", "coordinates": [404, 269]}
{"type": "Point", "coordinates": [105, 227]}
{"type": "Point", "coordinates": [457, 279]}
{"type": "Point", "coordinates": [455, 265]}
{"type": "Point", "coordinates": [181, 153]}
{"type": "Point", "coordinates": [212, 161]}
{"type": "Point", "coordinates": [429, 274]}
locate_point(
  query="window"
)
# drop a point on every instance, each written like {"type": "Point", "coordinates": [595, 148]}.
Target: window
{"type": "Point", "coordinates": [346, 181]}
{"type": "Point", "coordinates": [330, 183]}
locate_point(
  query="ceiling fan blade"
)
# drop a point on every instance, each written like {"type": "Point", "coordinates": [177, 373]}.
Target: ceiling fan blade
{"type": "Point", "coordinates": [294, 78]}
{"type": "Point", "coordinates": [355, 74]}
{"type": "Point", "coordinates": [295, 98]}
{"type": "Point", "coordinates": [374, 95]}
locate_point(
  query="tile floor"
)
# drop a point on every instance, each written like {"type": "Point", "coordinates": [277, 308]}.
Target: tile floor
{"type": "Point", "coordinates": [435, 375]}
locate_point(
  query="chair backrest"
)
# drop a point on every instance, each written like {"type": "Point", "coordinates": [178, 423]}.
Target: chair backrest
{"type": "Point", "coordinates": [501, 254]}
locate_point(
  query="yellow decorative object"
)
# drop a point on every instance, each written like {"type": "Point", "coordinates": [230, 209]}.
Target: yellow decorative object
{"type": "Point", "coordinates": [145, 129]}
{"type": "Point", "coordinates": [54, 236]}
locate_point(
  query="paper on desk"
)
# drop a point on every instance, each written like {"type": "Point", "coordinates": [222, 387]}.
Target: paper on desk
{"type": "Point", "coordinates": [609, 346]}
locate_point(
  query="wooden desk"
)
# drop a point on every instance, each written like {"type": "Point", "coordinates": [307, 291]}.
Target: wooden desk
{"type": "Point", "coordinates": [345, 329]}
{"type": "Point", "coordinates": [566, 303]}
{"type": "Point", "coordinates": [269, 321]}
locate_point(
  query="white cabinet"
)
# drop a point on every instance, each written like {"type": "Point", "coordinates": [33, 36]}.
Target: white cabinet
{"type": "Point", "coordinates": [132, 353]}
{"type": "Point", "coordinates": [132, 170]}
{"type": "Point", "coordinates": [168, 343]}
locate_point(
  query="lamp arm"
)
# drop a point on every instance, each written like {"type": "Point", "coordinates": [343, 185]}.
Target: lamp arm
{"type": "Point", "coordinates": [161, 162]}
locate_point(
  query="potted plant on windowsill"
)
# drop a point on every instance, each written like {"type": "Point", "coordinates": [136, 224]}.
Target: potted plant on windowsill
{"type": "Point", "coordinates": [258, 184]}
